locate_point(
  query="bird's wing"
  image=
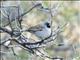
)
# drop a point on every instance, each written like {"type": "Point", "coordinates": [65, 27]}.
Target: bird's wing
{"type": "Point", "coordinates": [35, 28]}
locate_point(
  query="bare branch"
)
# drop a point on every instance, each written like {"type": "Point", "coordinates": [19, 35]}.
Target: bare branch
{"type": "Point", "coordinates": [20, 16]}
{"type": "Point", "coordinates": [5, 30]}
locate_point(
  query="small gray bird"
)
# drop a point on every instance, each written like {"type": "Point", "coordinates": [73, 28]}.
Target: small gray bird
{"type": "Point", "coordinates": [42, 31]}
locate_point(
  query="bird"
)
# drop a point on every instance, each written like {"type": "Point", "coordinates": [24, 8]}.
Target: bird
{"type": "Point", "coordinates": [42, 30]}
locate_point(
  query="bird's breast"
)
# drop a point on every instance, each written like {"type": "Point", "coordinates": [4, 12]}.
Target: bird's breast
{"type": "Point", "coordinates": [44, 33]}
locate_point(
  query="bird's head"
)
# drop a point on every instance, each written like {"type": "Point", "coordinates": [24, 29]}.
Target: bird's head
{"type": "Point", "coordinates": [48, 25]}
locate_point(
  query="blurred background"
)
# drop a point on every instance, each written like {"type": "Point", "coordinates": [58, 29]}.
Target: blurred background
{"type": "Point", "coordinates": [67, 44]}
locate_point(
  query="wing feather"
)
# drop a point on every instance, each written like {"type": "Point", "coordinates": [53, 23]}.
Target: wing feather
{"type": "Point", "coordinates": [35, 28]}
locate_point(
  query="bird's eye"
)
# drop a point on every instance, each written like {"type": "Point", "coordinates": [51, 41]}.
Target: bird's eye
{"type": "Point", "coordinates": [48, 25]}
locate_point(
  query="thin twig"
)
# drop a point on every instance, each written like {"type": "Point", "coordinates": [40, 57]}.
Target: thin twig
{"type": "Point", "coordinates": [24, 13]}
{"type": "Point", "coordinates": [5, 30]}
